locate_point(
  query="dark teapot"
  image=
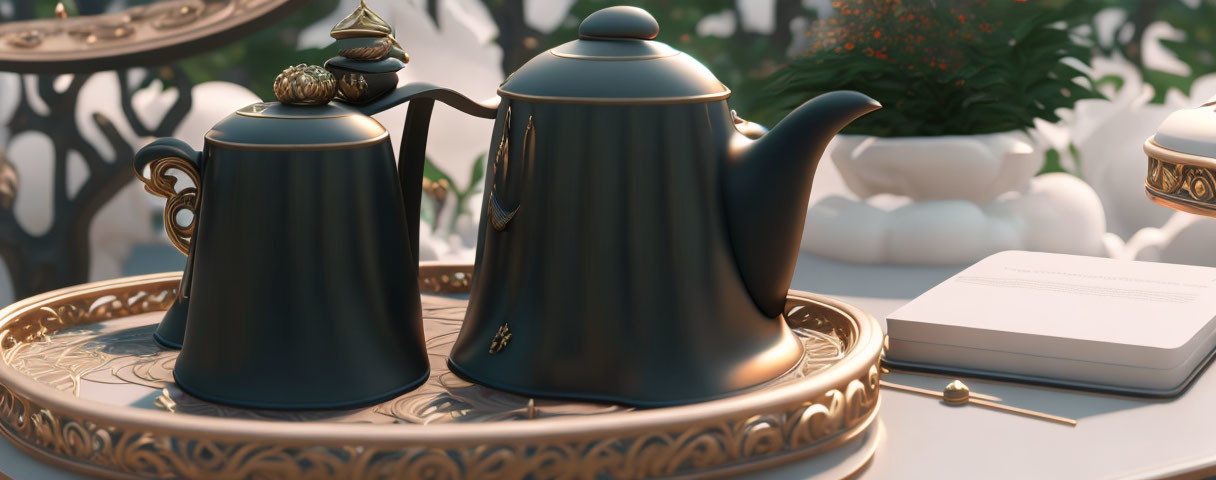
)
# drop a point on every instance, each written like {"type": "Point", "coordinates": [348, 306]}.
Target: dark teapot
{"type": "Point", "coordinates": [301, 286]}
{"type": "Point", "coordinates": [638, 239]}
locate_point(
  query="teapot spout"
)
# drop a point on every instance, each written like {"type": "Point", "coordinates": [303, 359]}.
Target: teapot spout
{"type": "Point", "coordinates": [767, 185]}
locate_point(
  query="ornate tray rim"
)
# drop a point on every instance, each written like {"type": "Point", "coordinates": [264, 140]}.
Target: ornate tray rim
{"type": "Point", "coordinates": [818, 413]}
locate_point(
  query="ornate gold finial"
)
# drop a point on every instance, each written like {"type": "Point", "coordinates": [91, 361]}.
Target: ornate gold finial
{"type": "Point", "coordinates": [500, 339]}
{"type": "Point", "coordinates": [305, 85]}
{"type": "Point", "coordinates": [363, 35]}
{"type": "Point", "coordinates": [363, 22]}
{"type": "Point", "coordinates": [61, 12]}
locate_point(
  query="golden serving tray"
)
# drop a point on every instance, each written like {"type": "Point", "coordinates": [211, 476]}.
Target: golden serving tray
{"type": "Point", "coordinates": [83, 386]}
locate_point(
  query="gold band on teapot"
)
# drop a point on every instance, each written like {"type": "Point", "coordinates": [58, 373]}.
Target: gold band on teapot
{"type": "Point", "coordinates": [631, 101]}
{"type": "Point", "coordinates": [160, 183]}
{"type": "Point", "coordinates": [1179, 180]}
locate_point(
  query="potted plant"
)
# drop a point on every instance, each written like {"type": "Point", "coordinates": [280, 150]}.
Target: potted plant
{"type": "Point", "coordinates": [962, 82]}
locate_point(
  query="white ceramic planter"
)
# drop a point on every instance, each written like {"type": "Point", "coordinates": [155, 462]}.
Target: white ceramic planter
{"type": "Point", "coordinates": [970, 196]}
{"type": "Point", "coordinates": [1056, 212]}
{"type": "Point", "coordinates": [976, 168]}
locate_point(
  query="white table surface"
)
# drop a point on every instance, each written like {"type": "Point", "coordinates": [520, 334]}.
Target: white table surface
{"type": "Point", "coordinates": [1115, 437]}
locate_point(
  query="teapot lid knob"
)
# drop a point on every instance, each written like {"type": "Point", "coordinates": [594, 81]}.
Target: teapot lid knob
{"type": "Point", "coordinates": [619, 23]}
{"type": "Point", "coordinates": [305, 85]}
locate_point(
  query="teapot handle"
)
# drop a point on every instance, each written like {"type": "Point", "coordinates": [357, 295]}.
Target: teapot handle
{"type": "Point", "coordinates": [161, 156]}
{"type": "Point", "coordinates": [412, 156]}
{"type": "Point", "coordinates": [422, 90]}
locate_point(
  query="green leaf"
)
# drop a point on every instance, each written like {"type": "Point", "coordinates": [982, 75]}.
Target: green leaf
{"type": "Point", "coordinates": [433, 173]}
{"type": "Point", "coordinates": [1076, 156]}
{"type": "Point", "coordinates": [1052, 163]}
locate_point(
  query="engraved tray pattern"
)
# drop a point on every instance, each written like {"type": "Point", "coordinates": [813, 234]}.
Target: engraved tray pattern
{"type": "Point", "coordinates": [83, 386]}
{"type": "Point", "coordinates": [122, 352]}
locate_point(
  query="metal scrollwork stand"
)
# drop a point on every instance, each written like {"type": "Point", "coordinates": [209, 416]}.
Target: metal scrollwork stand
{"type": "Point", "coordinates": [141, 35]}
{"type": "Point", "coordinates": [60, 256]}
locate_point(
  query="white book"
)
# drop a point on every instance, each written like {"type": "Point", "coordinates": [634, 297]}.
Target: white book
{"type": "Point", "coordinates": [1095, 323]}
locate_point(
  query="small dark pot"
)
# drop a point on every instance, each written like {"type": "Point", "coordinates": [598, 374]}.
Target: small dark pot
{"type": "Point", "coordinates": [301, 284]}
{"type": "Point", "coordinates": [288, 308]}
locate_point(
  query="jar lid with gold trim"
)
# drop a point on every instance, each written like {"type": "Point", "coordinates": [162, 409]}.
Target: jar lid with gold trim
{"type": "Point", "coordinates": [615, 60]}
{"type": "Point", "coordinates": [1191, 131]}
{"type": "Point", "coordinates": [1182, 161]}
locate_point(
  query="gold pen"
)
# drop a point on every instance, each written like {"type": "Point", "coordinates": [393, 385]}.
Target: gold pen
{"type": "Point", "coordinates": [957, 393]}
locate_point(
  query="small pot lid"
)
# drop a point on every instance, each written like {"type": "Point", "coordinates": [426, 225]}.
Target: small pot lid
{"type": "Point", "coordinates": [615, 60]}
{"type": "Point", "coordinates": [277, 126]}
{"type": "Point", "coordinates": [1191, 131]}
{"type": "Point", "coordinates": [302, 119]}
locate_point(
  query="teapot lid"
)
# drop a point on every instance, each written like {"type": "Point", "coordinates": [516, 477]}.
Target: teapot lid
{"type": "Point", "coordinates": [1191, 131]}
{"type": "Point", "coordinates": [279, 126]}
{"type": "Point", "coordinates": [302, 119]}
{"type": "Point", "coordinates": [614, 61]}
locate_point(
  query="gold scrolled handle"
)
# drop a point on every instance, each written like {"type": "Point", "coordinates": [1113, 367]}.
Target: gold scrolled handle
{"type": "Point", "coordinates": [160, 157]}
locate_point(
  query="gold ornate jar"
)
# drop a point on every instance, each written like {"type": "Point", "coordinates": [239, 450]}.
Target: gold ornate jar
{"type": "Point", "coordinates": [1182, 161]}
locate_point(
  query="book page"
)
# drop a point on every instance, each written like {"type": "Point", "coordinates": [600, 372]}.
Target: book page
{"type": "Point", "coordinates": [1074, 297]}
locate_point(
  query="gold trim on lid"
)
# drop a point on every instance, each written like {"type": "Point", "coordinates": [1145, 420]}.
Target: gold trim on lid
{"type": "Point", "coordinates": [258, 110]}
{"type": "Point", "coordinates": [609, 58]}
{"type": "Point", "coordinates": [1154, 149]}
{"type": "Point", "coordinates": [1180, 181]}
{"type": "Point", "coordinates": [299, 147]}
{"type": "Point", "coordinates": [709, 97]}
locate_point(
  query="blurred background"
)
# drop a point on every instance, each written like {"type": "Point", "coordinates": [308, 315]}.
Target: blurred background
{"type": "Point", "coordinates": [1111, 71]}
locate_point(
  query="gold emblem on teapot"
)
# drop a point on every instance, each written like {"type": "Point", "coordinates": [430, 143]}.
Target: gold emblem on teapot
{"type": "Point", "coordinates": [500, 339]}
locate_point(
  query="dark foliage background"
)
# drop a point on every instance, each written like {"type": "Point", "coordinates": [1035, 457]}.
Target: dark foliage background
{"type": "Point", "coordinates": [957, 67]}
